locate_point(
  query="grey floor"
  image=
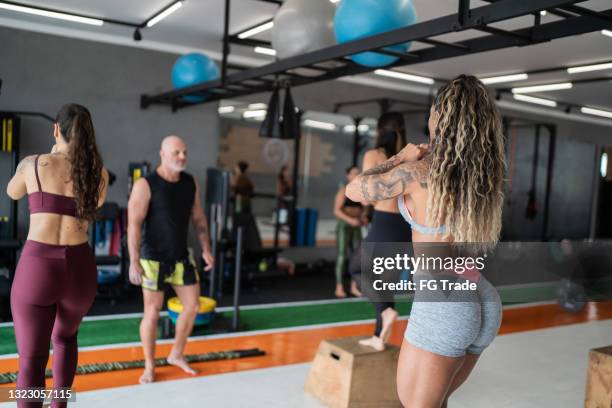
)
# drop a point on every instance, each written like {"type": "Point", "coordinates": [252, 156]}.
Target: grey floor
{"type": "Point", "coordinates": [542, 368]}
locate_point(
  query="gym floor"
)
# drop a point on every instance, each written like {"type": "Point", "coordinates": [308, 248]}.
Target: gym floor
{"type": "Point", "coordinates": [540, 348]}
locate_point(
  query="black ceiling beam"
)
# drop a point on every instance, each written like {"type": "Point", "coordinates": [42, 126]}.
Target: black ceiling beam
{"type": "Point", "coordinates": [443, 44]}
{"type": "Point", "coordinates": [478, 17]}
{"type": "Point", "coordinates": [586, 12]}
{"type": "Point", "coordinates": [277, 2]}
{"type": "Point", "coordinates": [249, 42]}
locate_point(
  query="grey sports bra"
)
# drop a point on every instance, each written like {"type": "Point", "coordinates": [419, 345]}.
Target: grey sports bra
{"type": "Point", "coordinates": [413, 224]}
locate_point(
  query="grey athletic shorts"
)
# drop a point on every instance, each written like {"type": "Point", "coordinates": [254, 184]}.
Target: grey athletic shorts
{"type": "Point", "coordinates": [454, 328]}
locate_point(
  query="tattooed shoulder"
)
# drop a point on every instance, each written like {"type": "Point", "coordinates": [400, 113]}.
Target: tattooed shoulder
{"type": "Point", "coordinates": [26, 162]}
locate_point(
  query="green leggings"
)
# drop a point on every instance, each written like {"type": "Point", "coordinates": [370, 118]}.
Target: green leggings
{"type": "Point", "coordinates": [347, 240]}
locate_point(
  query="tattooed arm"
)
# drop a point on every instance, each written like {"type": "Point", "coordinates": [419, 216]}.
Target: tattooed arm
{"type": "Point", "coordinates": [16, 188]}
{"type": "Point", "coordinates": [201, 226]}
{"type": "Point", "coordinates": [385, 181]}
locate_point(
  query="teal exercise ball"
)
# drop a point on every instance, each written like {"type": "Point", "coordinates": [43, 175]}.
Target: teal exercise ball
{"type": "Point", "coordinates": [192, 69]}
{"type": "Point", "coordinates": [356, 19]}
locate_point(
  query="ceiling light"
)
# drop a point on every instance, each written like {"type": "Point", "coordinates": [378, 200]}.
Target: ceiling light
{"type": "Point", "coordinates": [226, 109]}
{"type": "Point", "coordinates": [257, 106]}
{"type": "Point", "coordinates": [607, 32]}
{"type": "Point", "coordinates": [334, 1]}
{"type": "Point", "coordinates": [588, 68]}
{"type": "Point", "coordinates": [349, 128]}
{"type": "Point", "coordinates": [256, 30]}
{"type": "Point", "coordinates": [543, 88]}
{"type": "Point", "coordinates": [503, 78]}
{"type": "Point", "coordinates": [596, 112]}
{"type": "Point", "coordinates": [603, 167]}
{"type": "Point", "coordinates": [250, 114]}
{"type": "Point", "coordinates": [404, 76]}
{"type": "Point", "coordinates": [539, 101]}
{"type": "Point", "coordinates": [265, 51]}
{"type": "Point", "coordinates": [543, 12]}
{"type": "Point", "coordinates": [319, 125]}
{"type": "Point", "coordinates": [52, 14]}
{"type": "Point", "coordinates": [164, 13]}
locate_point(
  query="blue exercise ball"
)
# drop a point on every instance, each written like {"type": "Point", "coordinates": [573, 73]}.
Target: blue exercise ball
{"type": "Point", "coordinates": [192, 69]}
{"type": "Point", "coordinates": [355, 19]}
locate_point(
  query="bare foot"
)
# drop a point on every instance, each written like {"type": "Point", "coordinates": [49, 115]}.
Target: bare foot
{"type": "Point", "coordinates": [340, 293]}
{"type": "Point", "coordinates": [182, 364]}
{"type": "Point", "coordinates": [374, 342]}
{"type": "Point", "coordinates": [148, 376]}
{"type": "Point", "coordinates": [355, 290]}
{"type": "Point", "coordinates": [389, 315]}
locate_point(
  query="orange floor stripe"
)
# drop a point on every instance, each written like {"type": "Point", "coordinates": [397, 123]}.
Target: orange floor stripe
{"type": "Point", "coordinates": [294, 347]}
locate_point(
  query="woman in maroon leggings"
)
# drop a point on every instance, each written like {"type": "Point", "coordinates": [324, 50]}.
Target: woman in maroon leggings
{"type": "Point", "coordinates": [55, 282]}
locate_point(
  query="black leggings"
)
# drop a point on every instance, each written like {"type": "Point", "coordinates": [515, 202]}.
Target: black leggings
{"type": "Point", "coordinates": [387, 227]}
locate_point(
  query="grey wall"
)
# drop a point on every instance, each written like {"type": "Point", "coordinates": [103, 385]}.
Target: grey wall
{"type": "Point", "coordinates": [42, 72]}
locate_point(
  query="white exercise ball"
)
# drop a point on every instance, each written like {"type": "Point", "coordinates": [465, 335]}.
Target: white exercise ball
{"type": "Point", "coordinates": [301, 26]}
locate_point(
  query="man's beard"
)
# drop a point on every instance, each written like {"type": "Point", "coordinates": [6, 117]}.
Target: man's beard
{"type": "Point", "coordinates": [177, 167]}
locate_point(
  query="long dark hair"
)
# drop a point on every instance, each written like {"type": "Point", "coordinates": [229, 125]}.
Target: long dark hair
{"type": "Point", "coordinates": [391, 133]}
{"type": "Point", "coordinates": [77, 129]}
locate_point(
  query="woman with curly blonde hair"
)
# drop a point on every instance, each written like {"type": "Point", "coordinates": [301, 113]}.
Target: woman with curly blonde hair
{"type": "Point", "coordinates": [449, 191]}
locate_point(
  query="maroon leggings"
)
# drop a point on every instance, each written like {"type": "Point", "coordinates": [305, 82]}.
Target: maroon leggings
{"type": "Point", "coordinates": [54, 287]}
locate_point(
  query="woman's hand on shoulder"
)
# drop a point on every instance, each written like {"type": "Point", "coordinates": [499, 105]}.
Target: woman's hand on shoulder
{"type": "Point", "coordinates": [412, 152]}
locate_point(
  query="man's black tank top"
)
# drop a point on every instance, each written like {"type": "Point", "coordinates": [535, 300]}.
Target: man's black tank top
{"type": "Point", "coordinates": [164, 234]}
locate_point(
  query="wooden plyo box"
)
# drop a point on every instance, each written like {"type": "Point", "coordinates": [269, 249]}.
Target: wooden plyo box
{"type": "Point", "coordinates": [599, 379]}
{"type": "Point", "coordinates": [347, 375]}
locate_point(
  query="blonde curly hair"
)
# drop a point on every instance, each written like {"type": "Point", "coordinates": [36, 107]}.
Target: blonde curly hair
{"type": "Point", "coordinates": [468, 164]}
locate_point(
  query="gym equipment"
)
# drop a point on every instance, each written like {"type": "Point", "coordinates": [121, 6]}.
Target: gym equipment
{"type": "Point", "coordinates": [136, 171]}
{"type": "Point", "coordinates": [192, 69]}
{"type": "Point", "coordinates": [205, 313]}
{"type": "Point", "coordinates": [571, 295]}
{"type": "Point", "coordinates": [356, 19]}
{"type": "Point", "coordinates": [346, 374]}
{"type": "Point", "coordinates": [599, 372]}
{"type": "Point", "coordinates": [11, 377]}
{"type": "Point", "coordinates": [301, 26]}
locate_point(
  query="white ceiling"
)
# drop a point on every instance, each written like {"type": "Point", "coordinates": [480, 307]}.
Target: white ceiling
{"type": "Point", "coordinates": [199, 25]}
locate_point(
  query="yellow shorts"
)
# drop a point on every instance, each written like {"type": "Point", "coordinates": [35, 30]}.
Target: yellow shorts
{"type": "Point", "coordinates": [159, 274]}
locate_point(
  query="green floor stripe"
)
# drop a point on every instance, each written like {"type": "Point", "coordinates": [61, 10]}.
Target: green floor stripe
{"type": "Point", "coordinates": [126, 330]}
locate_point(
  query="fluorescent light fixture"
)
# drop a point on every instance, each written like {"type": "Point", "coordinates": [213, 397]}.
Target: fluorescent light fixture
{"type": "Point", "coordinates": [265, 51]}
{"type": "Point", "coordinates": [603, 167]}
{"type": "Point", "coordinates": [52, 14]}
{"type": "Point", "coordinates": [538, 101]}
{"type": "Point", "coordinates": [226, 109]}
{"type": "Point", "coordinates": [543, 88]}
{"type": "Point", "coordinates": [256, 30]}
{"type": "Point", "coordinates": [257, 106]}
{"type": "Point", "coordinates": [503, 78]}
{"type": "Point", "coordinates": [251, 114]}
{"type": "Point", "coordinates": [543, 12]}
{"type": "Point", "coordinates": [588, 68]}
{"type": "Point", "coordinates": [164, 13]}
{"type": "Point", "coordinates": [335, 1]}
{"type": "Point", "coordinates": [596, 112]}
{"type": "Point", "coordinates": [319, 125]}
{"type": "Point", "coordinates": [404, 76]}
{"type": "Point", "coordinates": [351, 128]}
{"type": "Point", "coordinates": [607, 32]}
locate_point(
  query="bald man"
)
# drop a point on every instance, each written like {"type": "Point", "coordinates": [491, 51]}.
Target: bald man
{"type": "Point", "coordinates": [159, 210]}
